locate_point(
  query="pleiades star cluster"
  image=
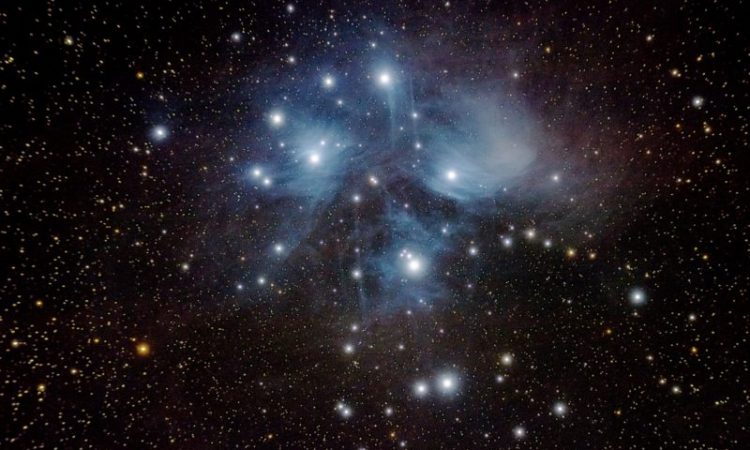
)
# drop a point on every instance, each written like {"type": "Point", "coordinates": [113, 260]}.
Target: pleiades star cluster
{"type": "Point", "coordinates": [374, 224]}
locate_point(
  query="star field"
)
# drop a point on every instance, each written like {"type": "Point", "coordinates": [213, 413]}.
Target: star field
{"type": "Point", "coordinates": [376, 224]}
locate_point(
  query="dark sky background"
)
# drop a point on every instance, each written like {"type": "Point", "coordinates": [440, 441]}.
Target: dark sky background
{"type": "Point", "coordinates": [376, 224]}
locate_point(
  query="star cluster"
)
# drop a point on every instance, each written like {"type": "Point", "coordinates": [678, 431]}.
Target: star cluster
{"type": "Point", "coordinates": [377, 224]}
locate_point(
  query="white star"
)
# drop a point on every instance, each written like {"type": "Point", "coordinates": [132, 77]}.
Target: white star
{"type": "Point", "coordinates": [637, 296]}
{"type": "Point", "coordinates": [414, 264]}
{"type": "Point", "coordinates": [447, 383]}
{"type": "Point", "coordinates": [560, 409]}
{"type": "Point", "coordinates": [421, 389]}
{"type": "Point", "coordinates": [159, 133]}
{"type": "Point", "coordinates": [384, 79]}
{"type": "Point", "coordinates": [277, 119]}
{"type": "Point", "coordinates": [344, 410]}
{"type": "Point", "coordinates": [506, 359]}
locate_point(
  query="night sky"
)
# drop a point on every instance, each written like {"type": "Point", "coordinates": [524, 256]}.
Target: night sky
{"type": "Point", "coordinates": [373, 225]}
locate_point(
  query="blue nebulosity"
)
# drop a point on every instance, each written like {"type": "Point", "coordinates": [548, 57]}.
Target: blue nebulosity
{"type": "Point", "coordinates": [372, 137]}
{"type": "Point", "coordinates": [407, 266]}
{"type": "Point", "coordinates": [487, 145]}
